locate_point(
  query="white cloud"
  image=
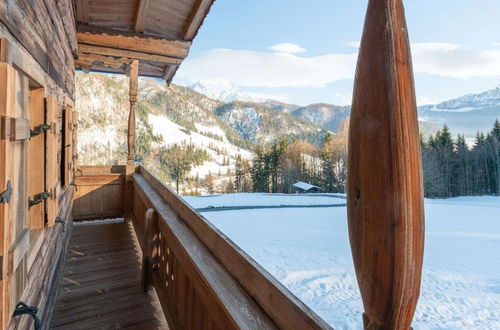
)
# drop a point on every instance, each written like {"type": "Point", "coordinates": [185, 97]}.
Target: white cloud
{"type": "Point", "coordinates": [283, 69]}
{"type": "Point", "coordinates": [258, 69]}
{"type": "Point", "coordinates": [423, 100]}
{"type": "Point", "coordinates": [287, 48]}
{"type": "Point", "coordinates": [353, 44]}
{"type": "Point", "coordinates": [455, 61]}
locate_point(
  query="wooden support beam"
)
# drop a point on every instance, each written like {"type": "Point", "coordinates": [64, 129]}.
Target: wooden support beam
{"type": "Point", "coordinates": [142, 11]}
{"type": "Point", "coordinates": [169, 73]}
{"type": "Point", "coordinates": [134, 73]}
{"type": "Point", "coordinates": [110, 61]}
{"type": "Point", "coordinates": [385, 195]}
{"type": "Point", "coordinates": [82, 11]}
{"type": "Point", "coordinates": [198, 14]}
{"type": "Point", "coordinates": [91, 49]}
{"type": "Point", "coordinates": [131, 41]}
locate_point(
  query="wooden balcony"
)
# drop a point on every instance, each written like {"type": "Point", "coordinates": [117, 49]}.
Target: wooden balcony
{"type": "Point", "coordinates": [101, 282]}
{"type": "Point", "coordinates": [168, 265]}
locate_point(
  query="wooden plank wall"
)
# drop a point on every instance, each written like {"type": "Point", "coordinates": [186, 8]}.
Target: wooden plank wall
{"type": "Point", "coordinates": [45, 263]}
{"type": "Point", "coordinates": [37, 43]}
{"type": "Point", "coordinates": [99, 193]}
{"type": "Point", "coordinates": [46, 29]}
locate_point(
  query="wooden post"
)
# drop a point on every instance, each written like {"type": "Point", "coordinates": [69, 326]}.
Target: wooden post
{"type": "Point", "coordinates": [130, 166]}
{"type": "Point", "coordinates": [134, 71]}
{"type": "Point", "coordinates": [385, 194]}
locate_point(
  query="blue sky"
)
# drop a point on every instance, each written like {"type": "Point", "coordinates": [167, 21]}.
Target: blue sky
{"type": "Point", "coordinates": [305, 51]}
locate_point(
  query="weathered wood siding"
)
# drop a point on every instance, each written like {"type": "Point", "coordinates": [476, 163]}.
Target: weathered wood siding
{"type": "Point", "coordinates": [46, 29]}
{"type": "Point", "coordinates": [37, 44]}
{"type": "Point", "coordinates": [100, 192]}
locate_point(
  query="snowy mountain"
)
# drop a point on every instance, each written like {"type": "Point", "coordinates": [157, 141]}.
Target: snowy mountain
{"type": "Point", "coordinates": [215, 133]}
{"type": "Point", "coordinates": [223, 90]}
{"type": "Point", "coordinates": [257, 123]}
{"type": "Point", "coordinates": [165, 117]}
{"type": "Point", "coordinates": [465, 115]}
{"type": "Point", "coordinates": [325, 115]}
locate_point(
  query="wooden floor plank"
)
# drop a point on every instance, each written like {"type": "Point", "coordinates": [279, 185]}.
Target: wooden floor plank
{"type": "Point", "coordinates": [101, 286]}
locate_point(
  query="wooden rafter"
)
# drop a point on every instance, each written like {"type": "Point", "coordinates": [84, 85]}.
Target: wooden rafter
{"type": "Point", "coordinates": [169, 73]}
{"type": "Point", "coordinates": [200, 10]}
{"type": "Point", "coordinates": [142, 11]}
{"type": "Point", "coordinates": [82, 11]}
{"type": "Point", "coordinates": [91, 49]}
{"type": "Point", "coordinates": [132, 41]}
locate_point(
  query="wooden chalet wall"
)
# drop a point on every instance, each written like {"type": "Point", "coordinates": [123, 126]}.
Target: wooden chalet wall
{"type": "Point", "coordinates": [37, 46]}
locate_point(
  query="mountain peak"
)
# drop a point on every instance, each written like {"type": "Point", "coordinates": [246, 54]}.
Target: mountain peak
{"type": "Point", "coordinates": [223, 90]}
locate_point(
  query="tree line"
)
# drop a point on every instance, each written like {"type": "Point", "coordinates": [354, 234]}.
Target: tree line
{"type": "Point", "coordinates": [275, 168]}
{"type": "Point", "coordinates": [450, 166]}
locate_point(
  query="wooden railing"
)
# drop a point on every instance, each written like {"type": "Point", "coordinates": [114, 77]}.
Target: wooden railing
{"type": "Point", "coordinates": [202, 278]}
{"type": "Point", "coordinates": [99, 192]}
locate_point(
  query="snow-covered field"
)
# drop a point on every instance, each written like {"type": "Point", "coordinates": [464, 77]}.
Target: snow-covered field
{"type": "Point", "coordinates": [308, 251]}
{"type": "Point", "coordinates": [249, 199]}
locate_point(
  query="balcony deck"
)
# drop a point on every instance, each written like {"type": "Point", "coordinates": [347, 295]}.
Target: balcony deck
{"type": "Point", "coordinates": [101, 284]}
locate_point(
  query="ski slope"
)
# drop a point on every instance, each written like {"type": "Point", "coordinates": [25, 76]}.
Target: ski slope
{"type": "Point", "coordinates": [308, 251]}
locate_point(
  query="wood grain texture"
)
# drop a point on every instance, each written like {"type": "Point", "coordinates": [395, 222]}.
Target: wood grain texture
{"type": "Point", "coordinates": [264, 288]}
{"type": "Point", "coordinates": [132, 41]}
{"type": "Point", "coordinates": [187, 275]}
{"type": "Point", "coordinates": [36, 159]}
{"type": "Point", "coordinates": [47, 261]}
{"type": "Point", "coordinates": [141, 17]}
{"type": "Point", "coordinates": [99, 195]}
{"type": "Point", "coordinates": [101, 282]}
{"type": "Point", "coordinates": [38, 26]}
{"type": "Point", "coordinates": [123, 53]}
{"type": "Point", "coordinates": [385, 197]}
{"type": "Point", "coordinates": [53, 170]}
{"type": "Point", "coordinates": [199, 12]}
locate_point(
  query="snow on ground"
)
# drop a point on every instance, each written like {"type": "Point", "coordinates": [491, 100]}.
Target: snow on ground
{"type": "Point", "coordinates": [308, 251]}
{"type": "Point", "coordinates": [176, 134]}
{"type": "Point", "coordinates": [248, 199]}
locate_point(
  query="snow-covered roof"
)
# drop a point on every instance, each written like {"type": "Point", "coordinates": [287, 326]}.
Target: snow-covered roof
{"type": "Point", "coordinates": [305, 186]}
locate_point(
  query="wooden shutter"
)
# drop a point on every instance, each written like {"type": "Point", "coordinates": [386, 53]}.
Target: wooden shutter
{"type": "Point", "coordinates": [67, 171]}
{"type": "Point", "coordinates": [14, 236]}
{"type": "Point", "coordinates": [36, 159]}
{"type": "Point", "coordinates": [75, 140]}
{"type": "Point", "coordinates": [52, 168]}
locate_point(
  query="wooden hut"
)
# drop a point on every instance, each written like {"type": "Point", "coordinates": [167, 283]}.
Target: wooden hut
{"type": "Point", "coordinates": [306, 188]}
{"type": "Point", "coordinates": [167, 266]}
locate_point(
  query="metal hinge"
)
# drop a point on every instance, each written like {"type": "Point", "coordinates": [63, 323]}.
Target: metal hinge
{"type": "Point", "coordinates": [5, 196]}
{"type": "Point", "coordinates": [22, 308]}
{"type": "Point", "coordinates": [39, 130]}
{"type": "Point", "coordinates": [38, 199]}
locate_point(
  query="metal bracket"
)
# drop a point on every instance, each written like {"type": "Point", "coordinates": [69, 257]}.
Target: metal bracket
{"type": "Point", "coordinates": [5, 196]}
{"type": "Point", "coordinates": [39, 130]}
{"type": "Point", "coordinates": [38, 199]}
{"type": "Point", "coordinates": [62, 222]}
{"type": "Point", "coordinates": [74, 184]}
{"type": "Point", "coordinates": [22, 308]}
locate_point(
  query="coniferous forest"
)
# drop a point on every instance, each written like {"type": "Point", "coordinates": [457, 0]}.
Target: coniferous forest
{"type": "Point", "coordinates": [451, 167]}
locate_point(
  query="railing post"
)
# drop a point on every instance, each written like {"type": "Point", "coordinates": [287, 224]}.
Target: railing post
{"type": "Point", "coordinates": [385, 194]}
{"type": "Point", "coordinates": [130, 166]}
{"type": "Point", "coordinates": [148, 237]}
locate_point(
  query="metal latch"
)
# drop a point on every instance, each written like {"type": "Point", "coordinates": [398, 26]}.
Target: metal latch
{"type": "Point", "coordinates": [38, 199]}
{"type": "Point", "coordinates": [5, 196]}
{"type": "Point", "coordinates": [39, 130]}
{"type": "Point", "coordinates": [22, 308]}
